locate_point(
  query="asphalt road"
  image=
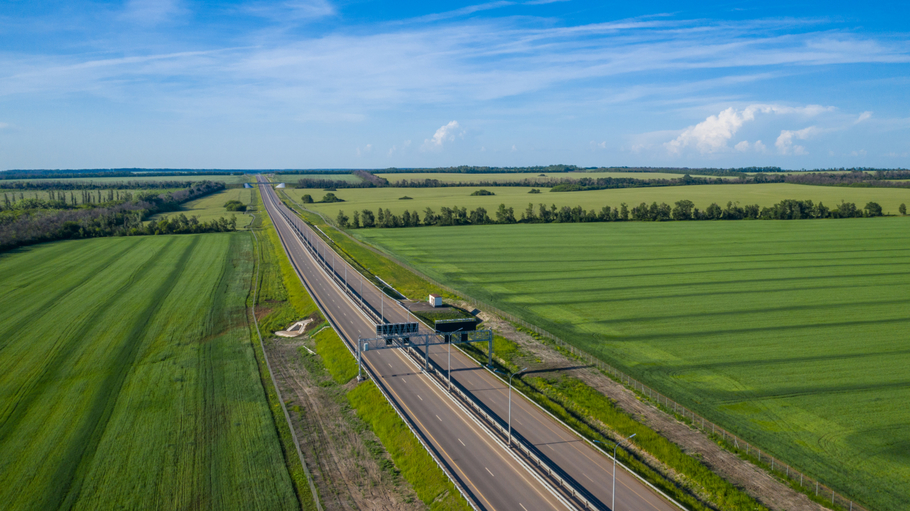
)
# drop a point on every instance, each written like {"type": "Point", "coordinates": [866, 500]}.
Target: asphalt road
{"type": "Point", "coordinates": [482, 465]}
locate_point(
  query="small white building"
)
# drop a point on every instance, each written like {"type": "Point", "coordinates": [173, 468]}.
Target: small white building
{"type": "Point", "coordinates": [280, 185]}
{"type": "Point", "coordinates": [435, 300]}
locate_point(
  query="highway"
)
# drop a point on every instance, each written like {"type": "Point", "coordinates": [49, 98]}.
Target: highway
{"type": "Point", "coordinates": [480, 463]}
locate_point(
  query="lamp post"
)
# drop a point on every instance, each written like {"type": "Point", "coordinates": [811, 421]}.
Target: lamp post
{"type": "Point", "coordinates": [510, 399]}
{"type": "Point", "coordinates": [613, 493]}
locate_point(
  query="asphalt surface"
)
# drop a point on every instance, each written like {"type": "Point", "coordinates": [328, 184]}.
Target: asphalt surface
{"type": "Point", "coordinates": [482, 465]}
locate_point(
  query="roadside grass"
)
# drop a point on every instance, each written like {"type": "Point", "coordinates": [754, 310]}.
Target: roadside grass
{"type": "Point", "coordinates": [416, 465]}
{"type": "Point", "coordinates": [211, 207]}
{"type": "Point", "coordinates": [126, 361]}
{"type": "Point", "coordinates": [335, 355]}
{"type": "Point", "coordinates": [790, 334]}
{"type": "Point", "coordinates": [590, 413]}
{"type": "Point", "coordinates": [518, 198]}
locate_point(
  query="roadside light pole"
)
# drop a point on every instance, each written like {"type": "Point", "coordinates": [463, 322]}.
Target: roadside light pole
{"type": "Point", "coordinates": [510, 400]}
{"type": "Point", "coordinates": [615, 445]}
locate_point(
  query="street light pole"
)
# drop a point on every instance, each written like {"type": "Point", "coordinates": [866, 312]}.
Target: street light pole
{"type": "Point", "coordinates": [510, 399]}
{"type": "Point", "coordinates": [613, 495]}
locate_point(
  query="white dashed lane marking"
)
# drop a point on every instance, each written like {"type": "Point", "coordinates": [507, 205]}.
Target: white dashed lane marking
{"type": "Point", "coordinates": [462, 443]}
{"type": "Point", "coordinates": [488, 471]}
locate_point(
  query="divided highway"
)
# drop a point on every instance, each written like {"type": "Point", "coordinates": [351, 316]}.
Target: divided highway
{"type": "Point", "coordinates": [481, 464]}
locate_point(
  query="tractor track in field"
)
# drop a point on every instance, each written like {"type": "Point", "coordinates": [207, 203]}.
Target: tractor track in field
{"type": "Point", "coordinates": [347, 475]}
{"type": "Point", "coordinates": [753, 480]}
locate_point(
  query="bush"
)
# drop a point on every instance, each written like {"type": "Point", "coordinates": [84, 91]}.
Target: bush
{"type": "Point", "coordinates": [234, 205]}
{"type": "Point", "coordinates": [482, 192]}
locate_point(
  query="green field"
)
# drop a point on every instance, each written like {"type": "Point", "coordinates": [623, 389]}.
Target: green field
{"type": "Point", "coordinates": [227, 179]}
{"type": "Point", "coordinates": [791, 333]}
{"type": "Point", "coordinates": [211, 207]}
{"type": "Point", "coordinates": [128, 380]}
{"type": "Point", "coordinates": [518, 197]}
{"type": "Point", "coordinates": [458, 177]}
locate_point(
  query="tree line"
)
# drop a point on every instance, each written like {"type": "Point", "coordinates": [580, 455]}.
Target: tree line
{"type": "Point", "coordinates": [683, 210]}
{"type": "Point", "coordinates": [125, 172]}
{"type": "Point", "coordinates": [123, 218]}
{"type": "Point", "coordinates": [93, 185]}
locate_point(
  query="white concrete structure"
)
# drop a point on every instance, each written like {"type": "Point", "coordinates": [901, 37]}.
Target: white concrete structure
{"type": "Point", "coordinates": [435, 300]}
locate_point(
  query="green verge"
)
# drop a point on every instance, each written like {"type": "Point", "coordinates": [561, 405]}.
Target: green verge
{"type": "Point", "coordinates": [416, 464]}
{"type": "Point", "coordinates": [271, 278]}
{"type": "Point", "coordinates": [335, 355]}
{"type": "Point", "coordinates": [582, 407]}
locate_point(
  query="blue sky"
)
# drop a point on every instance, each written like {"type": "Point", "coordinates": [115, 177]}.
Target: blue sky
{"type": "Point", "coordinates": [347, 84]}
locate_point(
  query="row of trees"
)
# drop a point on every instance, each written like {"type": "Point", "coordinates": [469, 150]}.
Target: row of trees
{"type": "Point", "coordinates": [681, 211]}
{"type": "Point", "coordinates": [60, 199]}
{"type": "Point", "coordinates": [93, 185]}
{"type": "Point", "coordinates": [26, 227]}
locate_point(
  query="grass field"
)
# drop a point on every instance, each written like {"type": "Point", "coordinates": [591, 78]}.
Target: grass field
{"type": "Point", "coordinates": [127, 378]}
{"type": "Point", "coordinates": [226, 178]}
{"type": "Point", "coordinates": [457, 177]}
{"type": "Point", "coordinates": [518, 197]}
{"type": "Point", "coordinates": [793, 334]}
{"type": "Point", "coordinates": [211, 207]}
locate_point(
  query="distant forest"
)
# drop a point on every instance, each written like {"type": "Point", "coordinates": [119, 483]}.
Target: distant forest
{"type": "Point", "coordinates": [881, 178]}
{"type": "Point", "coordinates": [682, 211]}
{"type": "Point", "coordinates": [29, 221]}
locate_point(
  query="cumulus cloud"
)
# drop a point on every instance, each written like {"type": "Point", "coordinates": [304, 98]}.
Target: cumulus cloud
{"type": "Point", "coordinates": [785, 143]}
{"type": "Point", "coordinates": [712, 134]}
{"type": "Point", "coordinates": [444, 134]}
{"type": "Point", "coordinates": [744, 146]}
{"type": "Point", "coordinates": [862, 117]}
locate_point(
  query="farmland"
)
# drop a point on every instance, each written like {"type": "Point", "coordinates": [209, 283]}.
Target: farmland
{"type": "Point", "coordinates": [211, 207]}
{"type": "Point", "coordinates": [293, 178]}
{"type": "Point", "coordinates": [518, 197]}
{"type": "Point", "coordinates": [128, 380]}
{"type": "Point", "coordinates": [790, 333]}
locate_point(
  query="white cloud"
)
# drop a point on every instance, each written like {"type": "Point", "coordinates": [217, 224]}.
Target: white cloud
{"type": "Point", "coordinates": [295, 10]}
{"type": "Point", "coordinates": [3, 125]}
{"type": "Point", "coordinates": [742, 146]}
{"type": "Point", "coordinates": [785, 143]}
{"type": "Point", "coordinates": [445, 133]}
{"type": "Point", "coordinates": [364, 150]}
{"type": "Point", "coordinates": [599, 145]}
{"type": "Point", "coordinates": [759, 147]}
{"type": "Point", "coordinates": [712, 134]}
{"type": "Point", "coordinates": [862, 117]}
{"type": "Point", "coordinates": [514, 149]}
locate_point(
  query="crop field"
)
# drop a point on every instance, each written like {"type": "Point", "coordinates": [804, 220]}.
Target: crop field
{"type": "Point", "coordinates": [225, 178]}
{"type": "Point", "coordinates": [791, 333]}
{"type": "Point", "coordinates": [458, 177]}
{"type": "Point", "coordinates": [128, 379]}
{"type": "Point", "coordinates": [211, 207]}
{"type": "Point", "coordinates": [518, 197]}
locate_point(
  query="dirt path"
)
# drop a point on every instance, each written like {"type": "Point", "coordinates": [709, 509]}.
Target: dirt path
{"type": "Point", "coordinates": [755, 481]}
{"type": "Point", "coordinates": [349, 466]}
